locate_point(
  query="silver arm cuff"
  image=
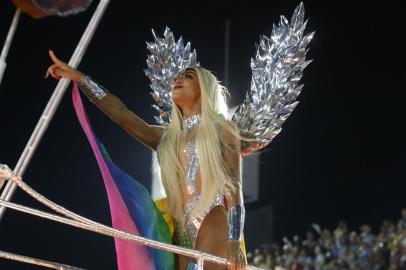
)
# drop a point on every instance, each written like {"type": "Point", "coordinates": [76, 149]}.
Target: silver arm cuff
{"type": "Point", "coordinates": [236, 217]}
{"type": "Point", "coordinates": [91, 89]}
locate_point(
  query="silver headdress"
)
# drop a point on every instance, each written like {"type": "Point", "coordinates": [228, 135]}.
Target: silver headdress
{"type": "Point", "coordinates": [167, 59]}
{"type": "Point", "coordinates": [276, 71]}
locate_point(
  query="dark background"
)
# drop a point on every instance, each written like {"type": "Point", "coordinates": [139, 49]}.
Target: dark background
{"type": "Point", "coordinates": [341, 154]}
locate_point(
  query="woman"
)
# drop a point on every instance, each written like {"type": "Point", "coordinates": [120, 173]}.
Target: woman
{"type": "Point", "coordinates": [199, 156]}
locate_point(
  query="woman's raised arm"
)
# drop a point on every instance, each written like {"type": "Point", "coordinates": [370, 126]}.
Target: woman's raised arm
{"type": "Point", "coordinates": [149, 135]}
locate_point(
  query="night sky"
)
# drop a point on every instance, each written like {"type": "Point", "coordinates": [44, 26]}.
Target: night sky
{"type": "Point", "coordinates": [340, 156]}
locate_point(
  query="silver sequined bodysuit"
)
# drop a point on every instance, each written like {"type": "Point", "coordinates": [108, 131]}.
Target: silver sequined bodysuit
{"type": "Point", "coordinates": [194, 220]}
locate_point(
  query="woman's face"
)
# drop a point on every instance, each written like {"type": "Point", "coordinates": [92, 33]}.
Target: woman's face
{"type": "Point", "coordinates": [186, 89]}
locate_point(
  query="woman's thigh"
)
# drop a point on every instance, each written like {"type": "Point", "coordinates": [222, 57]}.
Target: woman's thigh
{"type": "Point", "coordinates": [212, 236]}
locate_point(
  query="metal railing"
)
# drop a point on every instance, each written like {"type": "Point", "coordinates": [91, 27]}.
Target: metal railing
{"type": "Point", "coordinates": [78, 221]}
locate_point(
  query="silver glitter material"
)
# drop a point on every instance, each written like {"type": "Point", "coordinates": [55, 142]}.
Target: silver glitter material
{"type": "Point", "coordinates": [166, 60]}
{"type": "Point", "coordinates": [236, 217]}
{"type": "Point", "coordinates": [194, 220]}
{"type": "Point", "coordinates": [276, 71]}
{"type": "Point", "coordinates": [191, 158]}
{"type": "Point", "coordinates": [191, 122]}
{"type": "Point", "coordinates": [191, 164]}
{"type": "Point", "coordinates": [91, 88]}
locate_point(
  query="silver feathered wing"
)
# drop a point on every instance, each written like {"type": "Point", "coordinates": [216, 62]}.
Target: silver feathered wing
{"type": "Point", "coordinates": [167, 59]}
{"type": "Point", "coordinates": [276, 71]}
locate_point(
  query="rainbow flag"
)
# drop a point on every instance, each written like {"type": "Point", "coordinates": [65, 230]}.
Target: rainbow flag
{"type": "Point", "coordinates": [131, 206]}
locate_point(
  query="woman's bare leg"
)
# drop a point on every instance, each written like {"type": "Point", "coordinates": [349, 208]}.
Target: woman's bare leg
{"type": "Point", "coordinates": [212, 236]}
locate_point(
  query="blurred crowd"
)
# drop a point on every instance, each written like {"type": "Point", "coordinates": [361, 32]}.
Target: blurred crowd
{"type": "Point", "coordinates": [338, 249]}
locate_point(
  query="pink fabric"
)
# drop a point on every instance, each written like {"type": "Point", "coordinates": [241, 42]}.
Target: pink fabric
{"type": "Point", "coordinates": [130, 256]}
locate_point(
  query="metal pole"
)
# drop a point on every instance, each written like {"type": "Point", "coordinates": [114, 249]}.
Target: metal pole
{"type": "Point", "coordinates": [200, 263]}
{"type": "Point", "coordinates": [53, 103]}
{"type": "Point", "coordinates": [29, 260]}
{"type": "Point", "coordinates": [7, 44]}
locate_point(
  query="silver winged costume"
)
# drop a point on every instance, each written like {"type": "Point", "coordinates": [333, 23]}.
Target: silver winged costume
{"type": "Point", "coordinates": [276, 71]}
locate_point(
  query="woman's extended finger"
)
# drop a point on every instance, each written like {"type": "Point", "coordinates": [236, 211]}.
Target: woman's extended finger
{"type": "Point", "coordinates": [55, 59]}
{"type": "Point", "coordinates": [49, 72]}
{"type": "Point", "coordinates": [52, 71]}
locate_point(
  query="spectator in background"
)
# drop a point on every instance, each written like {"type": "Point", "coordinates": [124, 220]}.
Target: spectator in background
{"type": "Point", "coordinates": [310, 243]}
{"type": "Point", "coordinates": [326, 240]}
{"type": "Point", "coordinates": [319, 259]}
{"type": "Point", "coordinates": [341, 228]}
{"type": "Point", "coordinates": [340, 250]}
{"type": "Point", "coordinates": [402, 221]}
{"type": "Point", "coordinates": [366, 235]}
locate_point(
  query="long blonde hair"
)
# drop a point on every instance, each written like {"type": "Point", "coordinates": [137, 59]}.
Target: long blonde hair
{"type": "Point", "coordinates": [214, 172]}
